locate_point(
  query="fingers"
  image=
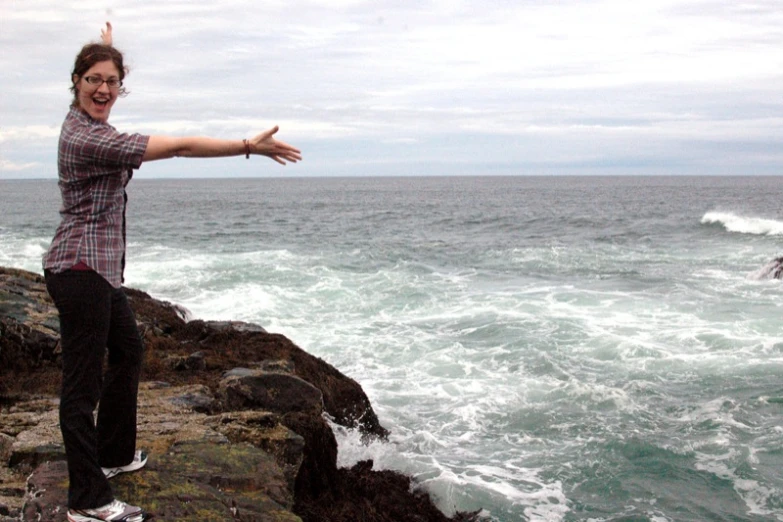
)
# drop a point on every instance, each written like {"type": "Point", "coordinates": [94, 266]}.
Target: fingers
{"type": "Point", "coordinates": [106, 34]}
{"type": "Point", "coordinates": [285, 146]}
{"type": "Point", "coordinates": [291, 154]}
{"type": "Point", "coordinates": [281, 157]}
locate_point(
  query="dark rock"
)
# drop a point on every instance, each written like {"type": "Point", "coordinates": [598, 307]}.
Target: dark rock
{"type": "Point", "coordinates": [318, 474]}
{"type": "Point", "coordinates": [239, 372]}
{"type": "Point", "coordinates": [48, 494]}
{"type": "Point", "coordinates": [276, 392]}
{"type": "Point", "coordinates": [192, 362]}
{"type": "Point", "coordinates": [343, 398]}
{"type": "Point", "coordinates": [12, 491]}
{"type": "Point", "coordinates": [176, 363]}
{"type": "Point", "coordinates": [166, 317]}
{"type": "Point", "coordinates": [36, 455]}
{"type": "Point", "coordinates": [777, 268]}
{"type": "Point", "coordinates": [239, 326]}
{"type": "Point", "coordinates": [195, 361]}
{"type": "Point", "coordinates": [772, 270]}
{"type": "Point", "coordinates": [201, 402]}
{"type": "Point", "coordinates": [157, 385]}
{"type": "Point", "coordinates": [29, 327]}
{"type": "Point", "coordinates": [6, 441]}
{"type": "Point", "coordinates": [277, 366]}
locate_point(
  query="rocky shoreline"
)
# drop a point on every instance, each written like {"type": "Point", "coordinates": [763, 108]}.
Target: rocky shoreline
{"type": "Point", "coordinates": [233, 418]}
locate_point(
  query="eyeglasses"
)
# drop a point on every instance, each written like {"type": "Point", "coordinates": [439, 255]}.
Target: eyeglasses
{"type": "Point", "coordinates": [97, 81]}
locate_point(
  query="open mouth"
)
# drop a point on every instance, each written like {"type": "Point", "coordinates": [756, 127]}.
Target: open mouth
{"type": "Point", "coordinates": [100, 103]}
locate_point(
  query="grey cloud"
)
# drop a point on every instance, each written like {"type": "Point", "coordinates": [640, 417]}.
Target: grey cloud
{"type": "Point", "coordinates": [358, 84]}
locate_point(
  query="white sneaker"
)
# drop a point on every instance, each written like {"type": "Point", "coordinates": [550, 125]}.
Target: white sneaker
{"type": "Point", "coordinates": [115, 511]}
{"type": "Point", "coordinates": [138, 462]}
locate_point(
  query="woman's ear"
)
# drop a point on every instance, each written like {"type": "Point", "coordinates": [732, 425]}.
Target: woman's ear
{"type": "Point", "coordinates": [75, 79]}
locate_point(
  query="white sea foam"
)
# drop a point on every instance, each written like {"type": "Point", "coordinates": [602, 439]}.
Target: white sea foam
{"type": "Point", "coordinates": [743, 224]}
{"type": "Point", "coordinates": [22, 252]}
{"type": "Point", "coordinates": [412, 453]}
{"type": "Point", "coordinates": [659, 517]}
{"type": "Point", "coordinates": [442, 363]}
{"type": "Point", "coordinates": [756, 496]}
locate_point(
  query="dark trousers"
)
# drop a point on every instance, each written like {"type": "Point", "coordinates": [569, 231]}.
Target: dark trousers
{"type": "Point", "coordinates": [95, 316]}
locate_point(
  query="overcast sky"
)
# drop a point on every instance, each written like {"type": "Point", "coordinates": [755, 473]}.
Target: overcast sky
{"type": "Point", "coordinates": [418, 87]}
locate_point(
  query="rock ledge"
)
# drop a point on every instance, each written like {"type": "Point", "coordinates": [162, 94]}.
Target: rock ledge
{"type": "Point", "coordinates": [232, 416]}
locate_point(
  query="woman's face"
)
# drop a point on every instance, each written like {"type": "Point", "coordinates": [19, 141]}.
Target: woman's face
{"type": "Point", "coordinates": [97, 100]}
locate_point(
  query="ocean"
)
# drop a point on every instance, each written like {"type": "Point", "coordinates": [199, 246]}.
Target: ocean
{"type": "Point", "coordinates": [542, 348]}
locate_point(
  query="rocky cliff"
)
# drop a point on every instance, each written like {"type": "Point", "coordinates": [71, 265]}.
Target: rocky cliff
{"type": "Point", "coordinates": [234, 419]}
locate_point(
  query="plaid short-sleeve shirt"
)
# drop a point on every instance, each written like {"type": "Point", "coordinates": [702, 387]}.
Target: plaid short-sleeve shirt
{"type": "Point", "coordinates": [95, 163]}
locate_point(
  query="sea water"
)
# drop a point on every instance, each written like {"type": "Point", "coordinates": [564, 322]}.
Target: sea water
{"type": "Point", "coordinates": [541, 348]}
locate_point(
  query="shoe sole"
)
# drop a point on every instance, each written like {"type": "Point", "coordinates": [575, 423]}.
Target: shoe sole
{"type": "Point", "coordinates": [142, 517]}
{"type": "Point", "coordinates": [133, 466]}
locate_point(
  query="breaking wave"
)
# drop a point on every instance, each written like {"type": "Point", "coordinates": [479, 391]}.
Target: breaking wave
{"type": "Point", "coordinates": [744, 224]}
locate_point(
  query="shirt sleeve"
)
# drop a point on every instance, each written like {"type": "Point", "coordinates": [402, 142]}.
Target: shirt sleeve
{"type": "Point", "coordinates": [103, 146]}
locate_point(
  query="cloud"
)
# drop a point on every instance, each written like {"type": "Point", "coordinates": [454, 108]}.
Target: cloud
{"type": "Point", "coordinates": [351, 81]}
{"type": "Point", "coordinates": [10, 166]}
{"type": "Point", "coordinates": [28, 132]}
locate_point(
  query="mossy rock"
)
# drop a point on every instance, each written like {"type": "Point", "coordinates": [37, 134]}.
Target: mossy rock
{"type": "Point", "coordinates": [197, 482]}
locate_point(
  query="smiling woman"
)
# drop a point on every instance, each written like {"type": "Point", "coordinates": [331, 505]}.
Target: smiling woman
{"type": "Point", "coordinates": [96, 89]}
{"type": "Point", "coordinates": [84, 269]}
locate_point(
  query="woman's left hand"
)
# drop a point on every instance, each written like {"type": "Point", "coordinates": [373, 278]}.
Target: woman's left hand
{"type": "Point", "coordinates": [106, 34]}
{"type": "Point", "coordinates": [266, 145]}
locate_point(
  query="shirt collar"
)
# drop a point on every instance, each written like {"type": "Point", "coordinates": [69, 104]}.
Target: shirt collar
{"type": "Point", "coordinates": [84, 118]}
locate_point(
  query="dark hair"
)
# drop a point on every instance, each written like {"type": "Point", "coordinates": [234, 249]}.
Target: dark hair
{"type": "Point", "coordinates": [89, 56]}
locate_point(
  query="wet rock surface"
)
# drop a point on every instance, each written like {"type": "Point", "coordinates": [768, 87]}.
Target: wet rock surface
{"type": "Point", "coordinates": [231, 415]}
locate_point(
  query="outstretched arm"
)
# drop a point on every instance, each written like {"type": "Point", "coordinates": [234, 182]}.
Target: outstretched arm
{"type": "Point", "coordinates": [106, 34]}
{"type": "Point", "coordinates": [264, 144]}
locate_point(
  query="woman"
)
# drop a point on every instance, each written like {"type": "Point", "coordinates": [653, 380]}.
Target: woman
{"type": "Point", "coordinates": [84, 273]}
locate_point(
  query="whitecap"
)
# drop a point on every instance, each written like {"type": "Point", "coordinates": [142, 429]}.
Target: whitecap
{"type": "Point", "coordinates": [743, 224]}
